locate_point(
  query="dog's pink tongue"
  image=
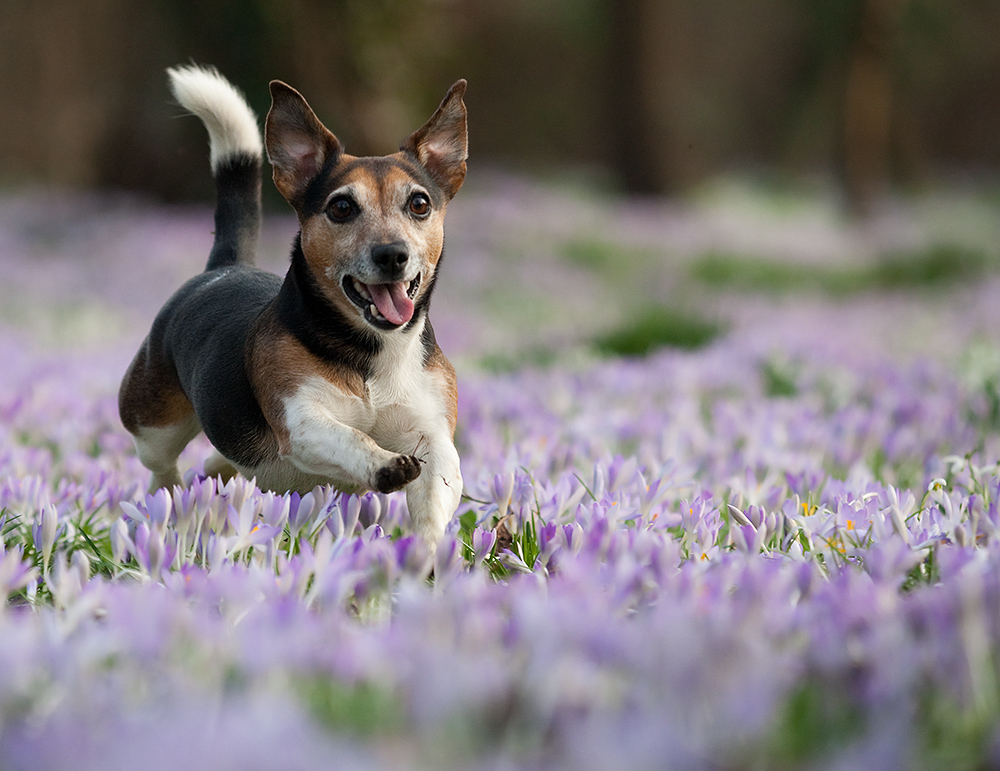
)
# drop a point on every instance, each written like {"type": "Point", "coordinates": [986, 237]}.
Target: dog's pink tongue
{"type": "Point", "coordinates": [392, 302]}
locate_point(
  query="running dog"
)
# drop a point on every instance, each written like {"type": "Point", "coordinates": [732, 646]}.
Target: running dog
{"type": "Point", "coordinates": [331, 375]}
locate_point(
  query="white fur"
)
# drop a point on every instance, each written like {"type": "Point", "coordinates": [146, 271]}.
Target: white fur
{"type": "Point", "coordinates": [327, 436]}
{"type": "Point", "coordinates": [434, 495]}
{"type": "Point", "coordinates": [158, 448]}
{"type": "Point", "coordinates": [232, 125]}
{"type": "Point", "coordinates": [411, 418]}
{"type": "Point", "coordinates": [346, 439]}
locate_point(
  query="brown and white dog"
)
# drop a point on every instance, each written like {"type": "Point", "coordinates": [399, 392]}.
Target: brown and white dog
{"type": "Point", "coordinates": [332, 375]}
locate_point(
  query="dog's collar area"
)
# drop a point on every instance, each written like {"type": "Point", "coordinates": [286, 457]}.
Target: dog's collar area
{"type": "Point", "coordinates": [377, 301]}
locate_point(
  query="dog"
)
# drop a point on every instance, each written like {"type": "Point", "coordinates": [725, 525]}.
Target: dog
{"type": "Point", "coordinates": [331, 375]}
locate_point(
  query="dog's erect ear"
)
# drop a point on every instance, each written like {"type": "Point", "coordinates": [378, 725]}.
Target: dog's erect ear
{"type": "Point", "coordinates": [297, 143]}
{"type": "Point", "coordinates": [442, 143]}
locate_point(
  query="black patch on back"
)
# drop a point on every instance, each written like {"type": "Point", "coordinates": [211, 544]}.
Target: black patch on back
{"type": "Point", "coordinates": [203, 329]}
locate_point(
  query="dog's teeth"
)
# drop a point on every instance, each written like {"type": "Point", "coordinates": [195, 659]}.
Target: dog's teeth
{"type": "Point", "coordinates": [374, 311]}
{"type": "Point", "coordinates": [361, 289]}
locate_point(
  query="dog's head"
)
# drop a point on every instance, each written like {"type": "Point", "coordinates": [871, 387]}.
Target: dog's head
{"type": "Point", "coordinates": [372, 228]}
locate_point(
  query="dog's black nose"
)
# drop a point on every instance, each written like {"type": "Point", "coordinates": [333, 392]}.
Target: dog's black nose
{"type": "Point", "coordinates": [390, 258]}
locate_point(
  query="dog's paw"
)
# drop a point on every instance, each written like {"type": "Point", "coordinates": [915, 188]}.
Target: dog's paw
{"type": "Point", "coordinates": [397, 473]}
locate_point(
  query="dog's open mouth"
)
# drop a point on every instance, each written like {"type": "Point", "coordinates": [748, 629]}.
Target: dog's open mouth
{"type": "Point", "coordinates": [385, 306]}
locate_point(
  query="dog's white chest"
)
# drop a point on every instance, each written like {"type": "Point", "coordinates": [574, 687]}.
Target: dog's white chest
{"type": "Point", "coordinates": [338, 436]}
{"type": "Point", "coordinates": [395, 383]}
{"type": "Point", "coordinates": [317, 398]}
{"type": "Point", "coordinates": [402, 397]}
{"type": "Point", "coordinates": [397, 393]}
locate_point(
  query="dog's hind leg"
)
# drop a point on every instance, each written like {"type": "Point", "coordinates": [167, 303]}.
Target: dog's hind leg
{"type": "Point", "coordinates": [159, 446]}
{"type": "Point", "coordinates": [218, 465]}
{"type": "Point", "coordinates": [160, 417]}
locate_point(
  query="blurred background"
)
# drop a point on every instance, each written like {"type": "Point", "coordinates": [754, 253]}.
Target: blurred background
{"type": "Point", "coordinates": [643, 173]}
{"type": "Point", "coordinates": [649, 96]}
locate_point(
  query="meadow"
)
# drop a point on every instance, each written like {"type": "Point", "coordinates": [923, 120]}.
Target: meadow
{"type": "Point", "coordinates": [732, 501]}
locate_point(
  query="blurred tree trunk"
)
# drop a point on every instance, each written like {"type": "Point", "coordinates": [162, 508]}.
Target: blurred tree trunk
{"type": "Point", "coordinates": [59, 60]}
{"type": "Point", "coordinates": [646, 54]}
{"type": "Point", "coordinates": [868, 103]}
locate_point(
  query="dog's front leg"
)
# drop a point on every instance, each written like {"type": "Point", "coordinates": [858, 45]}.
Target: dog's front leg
{"type": "Point", "coordinates": [433, 497]}
{"type": "Point", "coordinates": [317, 443]}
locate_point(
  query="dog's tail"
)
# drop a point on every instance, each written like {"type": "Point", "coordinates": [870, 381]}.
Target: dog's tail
{"type": "Point", "coordinates": [236, 154]}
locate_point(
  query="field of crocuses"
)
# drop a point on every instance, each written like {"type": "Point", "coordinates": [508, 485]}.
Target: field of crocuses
{"type": "Point", "coordinates": [773, 547]}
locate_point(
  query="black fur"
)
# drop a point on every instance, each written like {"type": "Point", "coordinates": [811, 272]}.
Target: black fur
{"type": "Point", "coordinates": [237, 211]}
{"type": "Point", "coordinates": [303, 309]}
{"type": "Point", "coordinates": [422, 306]}
{"type": "Point", "coordinates": [203, 329]}
{"type": "Point", "coordinates": [314, 197]}
{"type": "Point", "coordinates": [399, 472]}
{"type": "Point", "coordinates": [429, 341]}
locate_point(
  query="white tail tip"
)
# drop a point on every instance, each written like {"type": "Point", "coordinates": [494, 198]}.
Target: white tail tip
{"type": "Point", "coordinates": [232, 125]}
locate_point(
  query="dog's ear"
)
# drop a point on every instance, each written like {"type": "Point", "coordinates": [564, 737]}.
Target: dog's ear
{"type": "Point", "coordinates": [297, 143]}
{"type": "Point", "coordinates": [442, 143]}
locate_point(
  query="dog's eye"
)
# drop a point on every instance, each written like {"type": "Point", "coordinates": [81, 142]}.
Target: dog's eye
{"type": "Point", "coordinates": [341, 209]}
{"type": "Point", "coordinates": [420, 205]}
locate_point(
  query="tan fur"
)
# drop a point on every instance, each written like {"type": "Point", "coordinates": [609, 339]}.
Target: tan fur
{"type": "Point", "coordinates": [279, 364]}
{"type": "Point", "coordinates": [439, 365]}
{"type": "Point", "coordinates": [151, 395]}
{"type": "Point", "coordinates": [332, 248]}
